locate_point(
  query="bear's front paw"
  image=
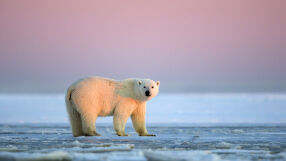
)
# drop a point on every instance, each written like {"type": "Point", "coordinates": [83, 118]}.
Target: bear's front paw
{"type": "Point", "coordinates": [92, 133]}
{"type": "Point", "coordinates": [122, 134]}
{"type": "Point", "coordinates": [147, 135]}
{"type": "Point", "coordinates": [150, 135]}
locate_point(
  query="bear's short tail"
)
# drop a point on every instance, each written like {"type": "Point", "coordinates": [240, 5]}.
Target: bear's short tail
{"type": "Point", "coordinates": [68, 95]}
{"type": "Point", "coordinates": [74, 116]}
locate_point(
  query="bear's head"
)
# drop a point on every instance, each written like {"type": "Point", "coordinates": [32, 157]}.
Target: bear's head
{"type": "Point", "coordinates": [147, 89]}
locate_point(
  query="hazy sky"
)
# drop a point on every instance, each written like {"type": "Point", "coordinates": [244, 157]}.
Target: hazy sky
{"type": "Point", "coordinates": [194, 46]}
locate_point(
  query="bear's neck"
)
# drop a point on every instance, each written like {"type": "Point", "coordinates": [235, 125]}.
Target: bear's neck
{"type": "Point", "coordinates": [126, 89]}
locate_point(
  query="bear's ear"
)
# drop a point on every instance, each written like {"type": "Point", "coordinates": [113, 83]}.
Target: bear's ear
{"type": "Point", "coordinates": [140, 82]}
{"type": "Point", "coordinates": [158, 83]}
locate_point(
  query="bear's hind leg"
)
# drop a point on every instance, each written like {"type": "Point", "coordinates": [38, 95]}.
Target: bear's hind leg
{"type": "Point", "coordinates": [75, 121]}
{"type": "Point", "coordinates": [88, 125]}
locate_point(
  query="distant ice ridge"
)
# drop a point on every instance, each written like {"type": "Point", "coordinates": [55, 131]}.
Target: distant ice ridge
{"type": "Point", "coordinates": [178, 108]}
{"type": "Point", "coordinates": [181, 156]}
{"type": "Point", "coordinates": [10, 148]}
{"type": "Point", "coordinates": [53, 156]}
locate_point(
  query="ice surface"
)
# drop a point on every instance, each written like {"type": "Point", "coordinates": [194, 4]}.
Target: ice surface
{"type": "Point", "coordinates": [200, 142]}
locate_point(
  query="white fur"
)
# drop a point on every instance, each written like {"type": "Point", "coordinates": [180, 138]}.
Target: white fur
{"type": "Point", "coordinates": [91, 97]}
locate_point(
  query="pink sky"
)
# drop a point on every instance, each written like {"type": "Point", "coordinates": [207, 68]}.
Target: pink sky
{"type": "Point", "coordinates": [215, 45]}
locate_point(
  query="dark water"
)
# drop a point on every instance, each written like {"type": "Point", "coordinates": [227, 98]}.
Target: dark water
{"type": "Point", "coordinates": [173, 142]}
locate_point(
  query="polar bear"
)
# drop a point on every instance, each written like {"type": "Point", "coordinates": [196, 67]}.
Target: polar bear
{"type": "Point", "coordinates": [91, 97]}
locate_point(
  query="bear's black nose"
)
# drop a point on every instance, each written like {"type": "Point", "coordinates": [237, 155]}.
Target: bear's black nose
{"type": "Point", "coordinates": [147, 93]}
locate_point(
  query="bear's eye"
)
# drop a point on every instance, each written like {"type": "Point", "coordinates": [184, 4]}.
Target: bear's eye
{"type": "Point", "coordinates": [144, 87]}
{"type": "Point", "coordinates": [152, 86]}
